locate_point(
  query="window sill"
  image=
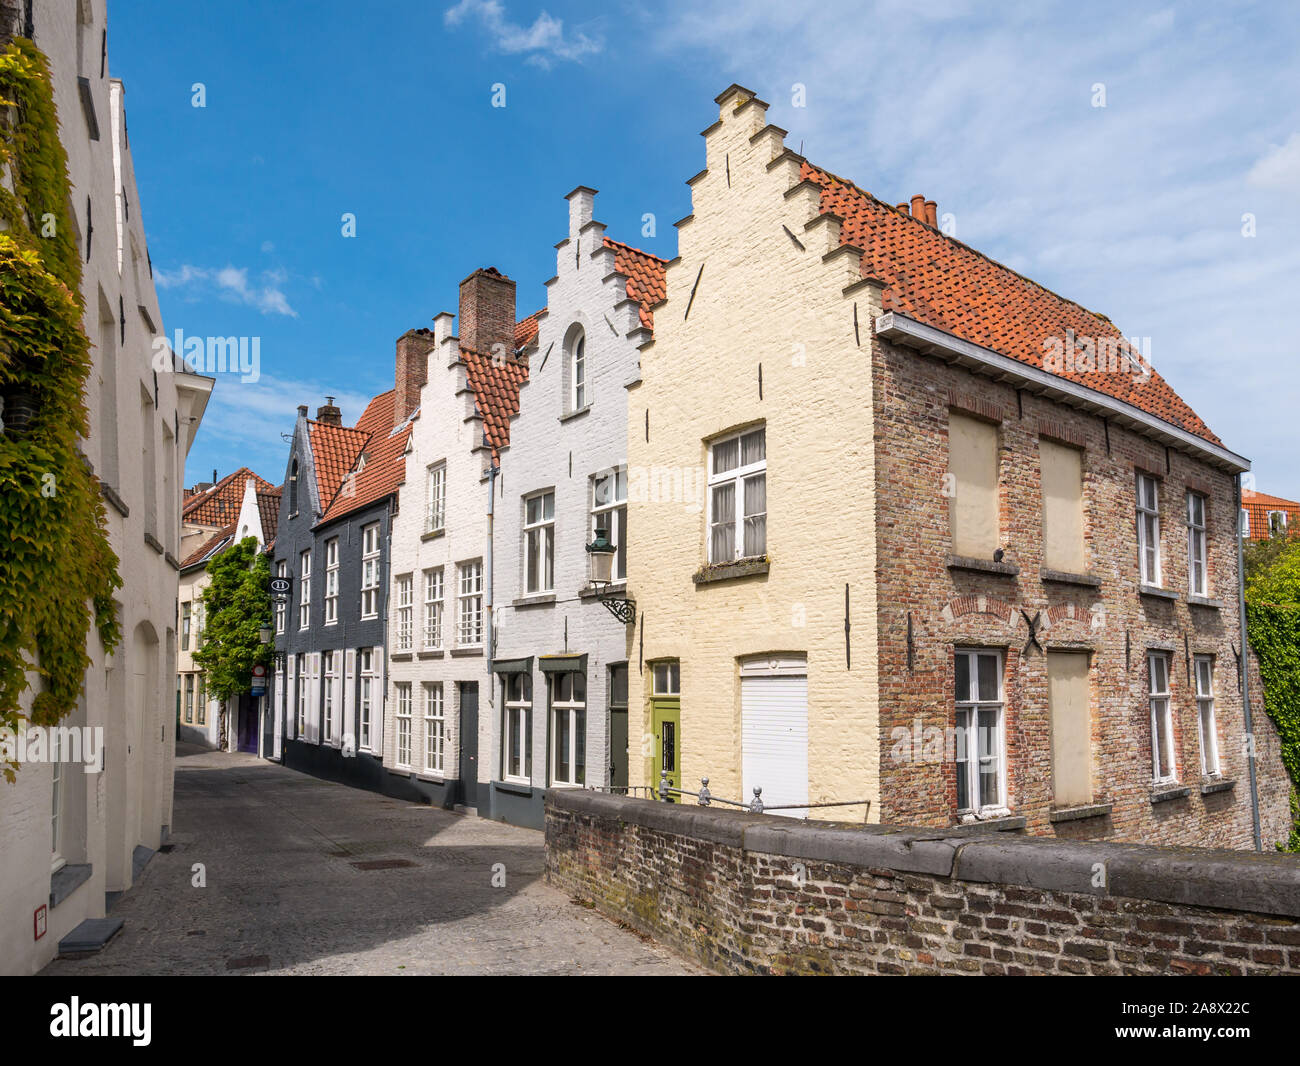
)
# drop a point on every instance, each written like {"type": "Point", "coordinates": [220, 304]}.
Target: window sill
{"type": "Point", "coordinates": [466, 653]}
{"type": "Point", "coordinates": [432, 653]}
{"type": "Point", "coordinates": [1157, 592]}
{"type": "Point", "coordinates": [741, 568]}
{"type": "Point", "coordinates": [400, 656]}
{"type": "Point", "coordinates": [1165, 793]}
{"type": "Point", "coordinates": [433, 534]}
{"type": "Point", "coordinates": [111, 495]}
{"type": "Point", "coordinates": [369, 617]}
{"type": "Point", "coordinates": [998, 819]}
{"type": "Point", "coordinates": [433, 777]}
{"type": "Point", "coordinates": [514, 787]}
{"type": "Point", "coordinates": [541, 599]}
{"type": "Point", "coordinates": [1065, 577]}
{"type": "Point", "coordinates": [1079, 813]}
{"type": "Point", "coordinates": [1205, 601]}
{"type": "Point", "coordinates": [590, 592]}
{"type": "Point", "coordinates": [66, 880]}
{"type": "Point", "coordinates": [983, 566]}
{"type": "Point", "coordinates": [575, 414]}
{"type": "Point", "coordinates": [1212, 785]}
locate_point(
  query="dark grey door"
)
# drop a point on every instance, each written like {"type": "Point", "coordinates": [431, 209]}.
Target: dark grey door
{"type": "Point", "coordinates": [618, 726]}
{"type": "Point", "coordinates": [469, 744]}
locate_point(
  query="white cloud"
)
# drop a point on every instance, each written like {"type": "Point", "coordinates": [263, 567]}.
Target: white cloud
{"type": "Point", "coordinates": [541, 42]}
{"type": "Point", "coordinates": [231, 283]}
{"type": "Point", "coordinates": [1279, 167]}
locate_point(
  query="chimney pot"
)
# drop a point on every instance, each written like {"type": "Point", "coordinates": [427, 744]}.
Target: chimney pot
{"type": "Point", "coordinates": [328, 413]}
{"type": "Point", "coordinates": [918, 207]}
{"type": "Point", "coordinates": [932, 213]}
{"type": "Point", "coordinates": [302, 410]}
{"type": "Point", "coordinates": [905, 208]}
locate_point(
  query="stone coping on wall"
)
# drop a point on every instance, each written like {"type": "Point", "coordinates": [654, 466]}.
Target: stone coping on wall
{"type": "Point", "coordinates": [1200, 877]}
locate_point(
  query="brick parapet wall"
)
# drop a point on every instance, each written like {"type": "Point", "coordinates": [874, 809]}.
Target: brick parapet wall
{"type": "Point", "coordinates": [746, 893]}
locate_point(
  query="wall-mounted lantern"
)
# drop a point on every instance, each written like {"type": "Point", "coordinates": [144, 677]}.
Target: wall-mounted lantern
{"type": "Point", "coordinates": [600, 553]}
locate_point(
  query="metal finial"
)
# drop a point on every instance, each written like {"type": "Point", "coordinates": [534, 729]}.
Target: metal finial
{"type": "Point", "coordinates": [663, 785]}
{"type": "Point", "coordinates": [757, 806]}
{"type": "Point", "coordinates": [704, 792]}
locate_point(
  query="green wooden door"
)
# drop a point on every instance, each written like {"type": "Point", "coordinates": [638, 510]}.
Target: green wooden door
{"type": "Point", "coordinates": [666, 717]}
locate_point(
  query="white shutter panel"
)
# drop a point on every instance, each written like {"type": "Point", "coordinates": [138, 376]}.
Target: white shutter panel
{"type": "Point", "coordinates": [774, 739]}
{"type": "Point", "coordinates": [313, 701]}
{"type": "Point", "coordinates": [291, 699]}
{"type": "Point", "coordinates": [378, 700]}
{"type": "Point", "coordinates": [277, 715]}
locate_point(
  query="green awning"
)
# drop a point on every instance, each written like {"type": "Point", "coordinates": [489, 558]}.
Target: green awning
{"type": "Point", "coordinates": [562, 664]}
{"type": "Point", "coordinates": [513, 666]}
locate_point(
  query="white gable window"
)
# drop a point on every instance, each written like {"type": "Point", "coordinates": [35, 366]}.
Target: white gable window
{"type": "Point", "coordinates": [737, 519]}
{"type": "Point", "coordinates": [1197, 561]}
{"type": "Point", "coordinates": [435, 509]}
{"type": "Point", "coordinates": [539, 542]}
{"type": "Point", "coordinates": [981, 771]}
{"type": "Point", "coordinates": [304, 584]}
{"type": "Point", "coordinates": [331, 581]}
{"type": "Point", "coordinates": [578, 392]}
{"type": "Point", "coordinates": [370, 570]}
{"type": "Point", "coordinates": [403, 619]}
{"type": "Point", "coordinates": [469, 604]}
{"type": "Point", "coordinates": [1162, 726]}
{"type": "Point", "coordinates": [1148, 528]}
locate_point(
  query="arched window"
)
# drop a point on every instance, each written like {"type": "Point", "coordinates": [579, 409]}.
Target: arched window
{"type": "Point", "coordinates": [579, 394]}
{"type": "Point", "coordinates": [293, 488]}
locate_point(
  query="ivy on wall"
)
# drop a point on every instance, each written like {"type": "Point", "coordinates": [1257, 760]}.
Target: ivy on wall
{"type": "Point", "coordinates": [57, 570]}
{"type": "Point", "coordinates": [235, 605]}
{"type": "Point", "coordinates": [1273, 624]}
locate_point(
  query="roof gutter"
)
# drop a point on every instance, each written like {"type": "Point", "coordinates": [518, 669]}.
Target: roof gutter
{"type": "Point", "coordinates": [912, 334]}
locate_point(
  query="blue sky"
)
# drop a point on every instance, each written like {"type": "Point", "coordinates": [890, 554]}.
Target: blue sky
{"type": "Point", "coordinates": [1135, 209]}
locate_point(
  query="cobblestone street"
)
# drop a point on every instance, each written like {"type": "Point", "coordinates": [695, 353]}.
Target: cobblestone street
{"type": "Point", "coordinates": [289, 891]}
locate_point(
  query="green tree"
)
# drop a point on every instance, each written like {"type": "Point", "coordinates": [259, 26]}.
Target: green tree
{"type": "Point", "coordinates": [1273, 624]}
{"type": "Point", "coordinates": [236, 605]}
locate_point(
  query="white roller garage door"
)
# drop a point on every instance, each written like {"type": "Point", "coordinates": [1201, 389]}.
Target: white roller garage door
{"type": "Point", "coordinates": [774, 735]}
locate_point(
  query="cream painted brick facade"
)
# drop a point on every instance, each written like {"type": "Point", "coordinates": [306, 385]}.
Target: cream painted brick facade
{"type": "Point", "coordinates": [142, 424]}
{"type": "Point", "coordinates": [776, 297]}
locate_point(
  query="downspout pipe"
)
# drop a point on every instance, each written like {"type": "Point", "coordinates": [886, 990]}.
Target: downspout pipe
{"type": "Point", "coordinates": [1245, 677]}
{"type": "Point", "coordinates": [492, 471]}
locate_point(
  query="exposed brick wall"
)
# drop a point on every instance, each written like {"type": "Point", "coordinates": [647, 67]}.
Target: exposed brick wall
{"type": "Point", "coordinates": [412, 371]}
{"type": "Point", "coordinates": [1114, 622]}
{"type": "Point", "coordinates": [758, 894]}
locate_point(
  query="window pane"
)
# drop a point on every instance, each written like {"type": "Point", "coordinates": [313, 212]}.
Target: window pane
{"type": "Point", "coordinates": [579, 748]}
{"type": "Point", "coordinates": [579, 688]}
{"type": "Point", "coordinates": [725, 455]}
{"type": "Point", "coordinates": [962, 664]}
{"type": "Point", "coordinates": [988, 677]}
{"type": "Point", "coordinates": [755, 515]}
{"type": "Point", "coordinates": [963, 759]}
{"type": "Point", "coordinates": [1162, 740]}
{"type": "Point", "coordinates": [562, 745]}
{"type": "Point", "coordinates": [753, 447]}
{"type": "Point", "coordinates": [722, 542]}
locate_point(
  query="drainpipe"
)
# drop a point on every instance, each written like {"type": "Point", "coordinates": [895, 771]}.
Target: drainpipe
{"type": "Point", "coordinates": [1245, 676]}
{"type": "Point", "coordinates": [492, 472]}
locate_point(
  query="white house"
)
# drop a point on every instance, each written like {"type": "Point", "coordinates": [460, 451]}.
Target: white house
{"type": "Point", "coordinates": [73, 836]}
{"type": "Point", "coordinates": [440, 556]}
{"type": "Point", "coordinates": [563, 644]}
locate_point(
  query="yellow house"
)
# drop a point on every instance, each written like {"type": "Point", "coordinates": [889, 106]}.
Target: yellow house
{"type": "Point", "coordinates": [755, 397]}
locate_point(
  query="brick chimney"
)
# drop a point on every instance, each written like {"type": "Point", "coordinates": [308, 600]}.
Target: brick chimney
{"type": "Point", "coordinates": [487, 312]}
{"type": "Point", "coordinates": [413, 348]}
{"type": "Point", "coordinates": [328, 413]}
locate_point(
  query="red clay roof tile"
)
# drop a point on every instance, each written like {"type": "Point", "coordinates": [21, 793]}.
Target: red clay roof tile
{"type": "Point", "coordinates": [645, 277]}
{"type": "Point", "coordinates": [220, 504]}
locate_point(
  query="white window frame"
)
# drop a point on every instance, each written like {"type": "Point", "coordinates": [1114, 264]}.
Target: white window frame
{"type": "Point", "coordinates": [612, 515]}
{"type": "Point", "coordinates": [370, 570]}
{"type": "Point", "coordinates": [304, 587]}
{"type": "Point", "coordinates": [579, 386]}
{"type": "Point", "coordinates": [281, 570]}
{"type": "Point", "coordinates": [516, 718]}
{"type": "Point", "coordinates": [737, 477]}
{"type": "Point", "coordinates": [332, 581]}
{"type": "Point", "coordinates": [189, 699]}
{"type": "Point", "coordinates": [327, 684]}
{"type": "Point", "coordinates": [666, 678]}
{"type": "Point", "coordinates": [433, 600]}
{"type": "Point", "coordinates": [575, 711]}
{"type": "Point", "coordinates": [435, 728]}
{"type": "Point", "coordinates": [403, 637]}
{"type": "Point", "coordinates": [974, 804]}
{"type": "Point", "coordinates": [1198, 563]}
{"type": "Point", "coordinates": [1281, 525]}
{"type": "Point", "coordinates": [187, 614]}
{"type": "Point", "coordinates": [58, 800]}
{"type": "Point", "coordinates": [469, 603]}
{"type": "Point", "coordinates": [365, 704]}
{"type": "Point", "coordinates": [1148, 531]}
{"type": "Point", "coordinates": [1164, 768]}
{"type": "Point", "coordinates": [539, 544]}
{"type": "Point", "coordinates": [403, 753]}
{"type": "Point", "coordinates": [1206, 722]}
{"type": "Point", "coordinates": [435, 507]}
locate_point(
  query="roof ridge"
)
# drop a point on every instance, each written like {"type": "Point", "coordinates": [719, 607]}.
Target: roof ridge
{"type": "Point", "coordinates": [641, 251]}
